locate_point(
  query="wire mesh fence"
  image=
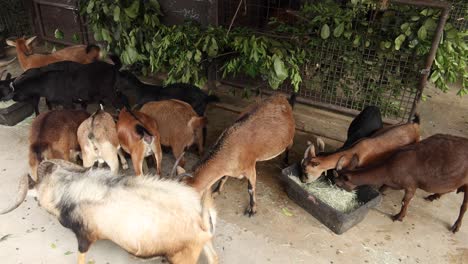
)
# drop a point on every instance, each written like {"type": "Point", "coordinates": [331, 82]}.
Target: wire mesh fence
{"type": "Point", "coordinates": [340, 75]}
{"type": "Point", "coordinates": [459, 14]}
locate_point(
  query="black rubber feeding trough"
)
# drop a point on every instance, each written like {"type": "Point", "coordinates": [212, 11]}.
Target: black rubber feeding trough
{"type": "Point", "coordinates": [15, 113]}
{"type": "Point", "coordinates": [335, 220]}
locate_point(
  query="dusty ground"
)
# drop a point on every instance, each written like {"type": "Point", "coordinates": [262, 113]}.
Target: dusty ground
{"type": "Point", "coordinates": [30, 235]}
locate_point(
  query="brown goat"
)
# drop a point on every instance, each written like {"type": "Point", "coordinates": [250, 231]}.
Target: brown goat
{"type": "Point", "coordinates": [138, 135]}
{"type": "Point", "coordinates": [98, 140]}
{"type": "Point", "coordinates": [53, 136]}
{"type": "Point", "coordinates": [262, 133]}
{"type": "Point", "coordinates": [436, 165]}
{"type": "Point", "coordinates": [79, 53]}
{"type": "Point", "coordinates": [179, 126]}
{"type": "Point", "coordinates": [369, 150]}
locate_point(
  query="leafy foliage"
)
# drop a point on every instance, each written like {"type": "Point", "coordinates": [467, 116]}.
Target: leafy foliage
{"type": "Point", "coordinates": [133, 30]}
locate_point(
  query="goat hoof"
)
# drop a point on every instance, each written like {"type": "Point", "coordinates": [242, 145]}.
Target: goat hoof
{"type": "Point", "coordinates": [431, 197]}
{"type": "Point", "coordinates": [397, 217]}
{"type": "Point", "coordinates": [455, 227]}
{"type": "Point", "coordinates": [250, 212]}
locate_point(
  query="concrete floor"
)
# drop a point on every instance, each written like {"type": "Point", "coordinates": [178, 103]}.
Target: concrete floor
{"type": "Point", "coordinates": [30, 235]}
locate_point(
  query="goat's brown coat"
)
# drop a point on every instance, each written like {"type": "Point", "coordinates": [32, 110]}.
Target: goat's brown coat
{"type": "Point", "coordinates": [179, 126]}
{"type": "Point", "coordinates": [369, 150]}
{"type": "Point", "coordinates": [53, 136]}
{"type": "Point", "coordinates": [437, 164]}
{"type": "Point", "coordinates": [261, 133]}
{"type": "Point", "coordinates": [135, 144]}
{"type": "Point", "coordinates": [29, 60]}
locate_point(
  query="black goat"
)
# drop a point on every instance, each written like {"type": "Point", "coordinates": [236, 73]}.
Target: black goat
{"type": "Point", "coordinates": [69, 82]}
{"type": "Point", "coordinates": [364, 125]}
{"type": "Point", "coordinates": [185, 92]}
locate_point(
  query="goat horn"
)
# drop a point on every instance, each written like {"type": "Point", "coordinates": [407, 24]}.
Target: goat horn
{"type": "Point", "coordinates": [181, 176]}
{"type": "Point", "coordinates": [1, 74]}
{"type": "Point", "coordinates": [3, 64]}
{"type": "Point", "coordinates": [176, 164]}
{"type": "Point", "coordinates": [22, 191]}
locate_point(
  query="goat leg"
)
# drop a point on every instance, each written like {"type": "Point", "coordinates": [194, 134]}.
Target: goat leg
{"type": "Point", "coordinates": [458, 223]}
{"type": "Point", "coordinates": [219, 188]}
{"type": "Point", "coordinates": [122, 159]}
{"type": "Point", "coordinates": [50, 106]}
{"type": "Point", "coordinates": [433, 197]}
{"type": "Point", "coordinates": [35, 103]}
{"type": "Point", "coordinates": [252, 208]}
{"type": "Point", "coordinates": [383, 188]}
{"type": "Point", "coordinates": [409, 193]}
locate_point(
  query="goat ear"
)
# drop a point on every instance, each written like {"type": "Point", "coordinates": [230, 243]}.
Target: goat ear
{"type": "Point", "coordinates": [10, 42]}
{"type": "Point", "coordinates": [354, 162]}
{"type": "Point", "coordinates": [180, 170]}
{"type": "Point", "coordinates": [310, 152]}
{"type": "Point", "coordinates": [320, 145]}
{"type": "Point", "coordinates": [339, 164]}
{"type": "Point", "coordinates": [30, 40]}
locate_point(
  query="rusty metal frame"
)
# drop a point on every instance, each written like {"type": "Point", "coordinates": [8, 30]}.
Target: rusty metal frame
{"type": "Point", "coordinates": [445, 7]}
{"type": "Point", "coordinates": [83, 29]}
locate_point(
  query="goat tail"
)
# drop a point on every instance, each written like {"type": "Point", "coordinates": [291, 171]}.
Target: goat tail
{"type": "Point", "coordinates": [39, 150]}
{"type": "Point", "coordinates": [116, 60]}
{"type": "Point", "coordinates": [416, 119]}
{"type": "Point", "coordinates": [208, 212]}
{"type": "Point", "coordinates": [292, 99]}
{"type": "Point", "coordinates": [143, 133]}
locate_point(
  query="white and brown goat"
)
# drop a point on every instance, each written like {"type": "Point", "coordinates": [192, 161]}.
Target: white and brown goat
{"type": "Point", "coordinates": [369, 150]}
{"type": "Point", "coordinates": [98, 140]}
{"type": "Point", "coordinates": [146, 216]}
{"type": "Point", "coordinates": [138, 135]}
{"type": "Point", "coordinates": [53, 136]}
{"type": "Point", "coordinates": [261, 133]}
{"type": "Point", "coordinates": [178, 124]}
{"type": "Point", "coordinates": [79, 53]}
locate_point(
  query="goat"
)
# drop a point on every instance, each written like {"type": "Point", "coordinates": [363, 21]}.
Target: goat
{"type": "Point", "coordinates": [98, 140]}
{"type": "Point", "coordinates": [261, 133]}
{"type": "Point", "coordinates": [179, 126]}
{"type": "Point", "coordinates": [188, 93]}
{"type": "Point", "coordinates": [436, 164]}
{"type": "Point", "coordinates": [364, 125]}
{"type": "Point", "coordinates": [138, 135]}
{"type": "Point", "coordinates": [146, 216]}
{"type": "Point", "coordinates": [80, 53]}
{"type": "Point", "coordinates": [369, 150]}
{"type": "Point", "coordinates": [85, 83]}
{"type": "Point", "coordinates": [53, 136]}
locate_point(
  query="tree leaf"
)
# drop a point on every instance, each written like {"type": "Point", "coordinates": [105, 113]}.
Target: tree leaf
{"type": "Point", "coordinates": [53, 245]}
{"type": "Point", "coordinates": [132, 10]}
{"type": "Point", "coordinates": [338, 30]}
{"type": "Point", "coordinates": [399, 40]}
{"type": "Point", "coordinates": [68, 253]}
{"type": "Point", "coordinates": [286, 212]}
{"type": "Point", "coordinates": [422, 33]}
{"type": "Point", "coordinates": [58, 34]}
{"type": "Point", "coordinates": [90, 7]}
{"type": "Point", "coordinates": [325, 32]}
{"type": "Point", "coordinates": [197, 56]}
{"type": "Point", "coordinates": [280, 69]}
{"type": "Point", "coordinates": [117, 14]}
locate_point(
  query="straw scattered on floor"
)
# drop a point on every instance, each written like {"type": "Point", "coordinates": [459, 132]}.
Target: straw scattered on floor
{"type": "Point", "coordinates": [330, 194]}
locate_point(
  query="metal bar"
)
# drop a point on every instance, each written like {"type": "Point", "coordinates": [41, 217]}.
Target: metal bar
{"type": "Point", "coordinates": [423, 3]}
{"type": "Point", "coordinates": [311, 102]}
{"type": "Point", "coordinates": [60, 5]}
{"type": "Point", "coordinates": [430, 57]}
{"type": "Point", "coordinates": [39, 18]}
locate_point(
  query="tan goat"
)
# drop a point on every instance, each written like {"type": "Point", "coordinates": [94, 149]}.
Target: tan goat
{"type": "Point", "coordinates": [27, 59]}
{"type": "Point", "coordinates": [53, 136]}
{"type": "Point", "coordinates": [261, 133]}
{"type": "Point", "coordinates": [179, 126]}
{"type": "Point", "coordinates": [98, 140]}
